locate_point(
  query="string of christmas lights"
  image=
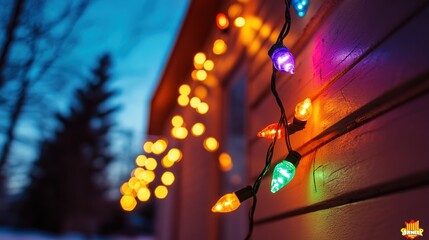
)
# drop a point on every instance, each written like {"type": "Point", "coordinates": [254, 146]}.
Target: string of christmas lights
{"type": "Point", "coordinates": [283, 173]}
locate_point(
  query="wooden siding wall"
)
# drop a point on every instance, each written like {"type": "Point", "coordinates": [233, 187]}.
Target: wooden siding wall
{"type": "Point", "coordinates": [365, 170]}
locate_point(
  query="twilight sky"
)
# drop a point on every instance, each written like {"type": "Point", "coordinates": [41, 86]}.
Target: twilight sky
{"type": "Point", "coordinates": [139, 35]}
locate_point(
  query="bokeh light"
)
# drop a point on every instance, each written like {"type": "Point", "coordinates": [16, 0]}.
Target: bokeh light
{"type": "Point", "coordinates": [219, 48]}
{"type": "Point", "coordinates": [151, 164]}
{"type": "Point", "coordinates": [143, 194]}
{"type": "Point", "coordinates": [185, 89]}
{"type": "Point", "coordinates": [174, 155]}
{"type": "Point", "coordinates": [225, 162]}
{"type": "Point", "coordinates": [203, 108]}
{"type": "Point", "coordinates": [141, 160]}
{"type": "Point", "coordinates": [147, 146]}
{"type": "Point", "coordinates": [211, 144]}
{"type": "Point", "coordinates": [128, 203]}
{"type": "Point", "coordinates": [183, 100]}
{"type": "Point", "coordinates": [161, 192]}
{"type": "Point", "coordinates": [167, 178]}
{"type": "Point", "coordinates": [198, 129]}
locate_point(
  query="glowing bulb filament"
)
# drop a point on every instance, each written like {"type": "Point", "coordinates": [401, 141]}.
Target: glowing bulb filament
{"type": "Point", "coordinates": [303, 110]}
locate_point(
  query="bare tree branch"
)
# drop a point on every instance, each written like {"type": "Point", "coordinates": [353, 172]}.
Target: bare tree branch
{"type": "Point", "coordinates": [10, 35]}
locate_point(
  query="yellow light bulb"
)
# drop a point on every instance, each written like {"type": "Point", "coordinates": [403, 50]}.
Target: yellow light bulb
{"type": "Point", "coordinates": [202, 108]}
{"type": "Point", "coordinates": [201, 75]}
{"type": "Point", "coordinates": [198, 129]}
{"type": "Point", "coordinates": [227, 203]}
{"type": "Point", "coordinates": [211, 144]}
{"type": "Point", "coordinates": [185, 89]}
{"type": "Point", "coordinates": [147, 146]}
{"type": "Point", "coordinates": [167, 178]}
{"type": "Point", "coordinates": [174, 155]}
{"type": "Point", "coordinates": [161, 192]}
{"type": "Point", "coordinates": [151, 164]}
{"type": "Point", "coordinates": [166, 162]}
{"type": "Point", "coordinates": [143, 194]}
{"type": "Point", "coordinates": [199, 58]}
{"type": "Point", "coordinates": [219, 47]}
{"type": "Point", "coordinates": [195, 101]}
{"type": "Point", "coordinates": [177, 121]}
{"type": "Point", "coordinates": [159, 146]}
{"type": "Point", "coordinates": [183, 100]}
{"type": "Point", "coordinates": [137, 172]}
{"type": "Point", "coordinates": [239, 22]}
{"type": "Point", "coordinates": [141, 160]}
{"type": "Point", "coordinates": [179, 132]}
{"type": "Point", "coordinates": [128, 203]}
{"type": "Point", "coordinates": [133, 182]}
{"type": "Point", "coordinates": [208, 65]}
{"type": "Point", "coordinates": [148, 176]}
{"type": "Point", "coordinates": [303, 110]}
{"type": "Point", "coordinates": [126, 189]}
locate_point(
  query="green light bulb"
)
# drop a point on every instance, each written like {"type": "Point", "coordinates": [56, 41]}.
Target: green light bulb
{"type": "Point", "coordinates": [282, 175]}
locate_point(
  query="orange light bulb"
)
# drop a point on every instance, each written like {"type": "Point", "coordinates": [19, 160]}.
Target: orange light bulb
{"type": "Point", "coordinates": [270, 132]}
{"type": "Point", "coordinates": [227, 203]}
{"type": "Point", "coordinates": [222, 21]}
{"type": "Point", "coordinates": [303, 110]}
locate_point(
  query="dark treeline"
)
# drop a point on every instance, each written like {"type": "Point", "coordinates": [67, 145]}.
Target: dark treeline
{"type": "Point", "coordinates": [68, 181]}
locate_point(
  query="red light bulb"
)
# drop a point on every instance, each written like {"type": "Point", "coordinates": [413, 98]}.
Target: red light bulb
{"type": "Point", "coordinates": [270, 132]}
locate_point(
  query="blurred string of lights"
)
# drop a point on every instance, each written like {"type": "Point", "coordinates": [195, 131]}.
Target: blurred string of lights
{"type": "Point", "coordinates": [283, 173]}
{"type": "Point", "coordinates": [137, 188]}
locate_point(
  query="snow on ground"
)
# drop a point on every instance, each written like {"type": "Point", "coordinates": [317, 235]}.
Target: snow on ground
{"type": "Point", "coordinates": [13, 234]}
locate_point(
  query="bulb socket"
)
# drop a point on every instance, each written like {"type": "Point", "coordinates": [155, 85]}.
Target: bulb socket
{"type": "Point", "coordinates": [293, 157]}
{"type": "Point", "coordinates": [244, 193]}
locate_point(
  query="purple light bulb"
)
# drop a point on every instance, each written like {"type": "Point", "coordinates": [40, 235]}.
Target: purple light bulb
{"type": "Point", "coordinates": [282, 58]}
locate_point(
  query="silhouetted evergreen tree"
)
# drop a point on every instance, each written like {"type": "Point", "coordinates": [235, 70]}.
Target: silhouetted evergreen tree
{"type": "Point", "coordinates": [67, 188]}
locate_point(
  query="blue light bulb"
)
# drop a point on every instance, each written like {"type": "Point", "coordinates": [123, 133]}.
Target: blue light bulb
{"type": "Point", "coordinates": [300, 6]}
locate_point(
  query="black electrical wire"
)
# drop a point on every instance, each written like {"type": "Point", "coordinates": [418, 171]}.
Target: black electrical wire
{"type": "Point", "coordinates": [282, 122]}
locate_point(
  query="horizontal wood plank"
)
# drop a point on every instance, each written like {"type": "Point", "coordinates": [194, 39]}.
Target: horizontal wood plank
{"type": "Point", "coordinates": [381, 218]}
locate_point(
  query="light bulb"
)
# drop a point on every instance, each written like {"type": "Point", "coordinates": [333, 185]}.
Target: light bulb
{"type": "Point", "coordinates": [227, 203]}
{"type": "Point", "coordinates": [184, 89]}
{"type": "Point", "coordinates": [231, 201]}
{"type": "Point", "coordinates": [211, 144]}
{"type": "Point", "coordinates": [198, 129]}
{"type": "Point", "coordinates": [200, 58]}
{"type": "Point", "coordinates": [239, 22]}
{"type": "Point", "coordinates": [183, 100]}
{"type": "Point", "coordinates": [270, 132]}
{"type": "Point", "coordinates": [282, 175]}
{"type": "Point", "coordinates": [303, 110]}
{"type": "Point", "coordinates": [161, 192]}
{"type": "Point", "coordinates": [141, 160]}
{"type": "Point", "coordinates": [284, 171]}
{"type": "Point", "coordinates": [219, 47]}
{"type": "Point", "coordinates": [225, 162]}
{"type": "Point", "coordinates": [300, 6]}
{"type": "Point", "coordinates": [282, 58]}
{"type": "Point", "coordinates": [128, 203]}
{"type": "Point", "coordinates": [222, 21]}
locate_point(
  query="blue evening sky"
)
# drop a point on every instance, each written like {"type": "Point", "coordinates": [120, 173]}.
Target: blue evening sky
{"type": "Point", "coordinates": [139, 34]}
